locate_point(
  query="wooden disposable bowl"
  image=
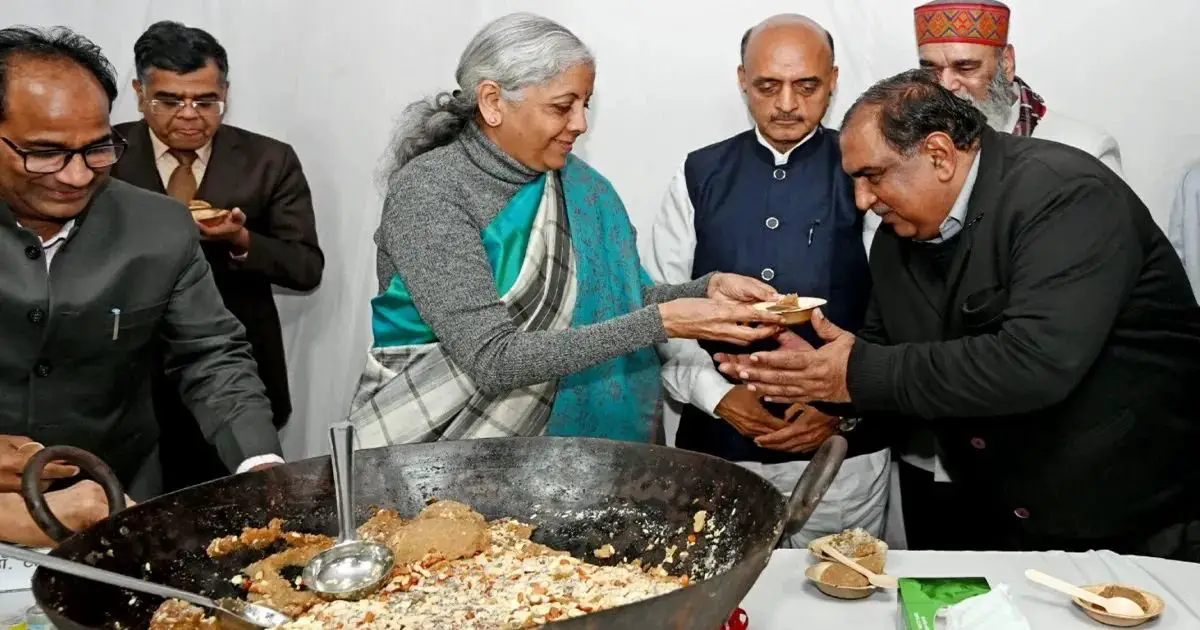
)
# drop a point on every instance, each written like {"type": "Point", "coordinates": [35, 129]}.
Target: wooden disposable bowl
{"type": "Point", "coordinates": [793, 315]}
{"type": "Point", "coordinates": [875, 561]}
{"type": "Point", "coordinates": [209, 216]}
{"type": "Point", "coordinates": [816, 573]}
{"type": "Point", "coordinates": [1151, 603]}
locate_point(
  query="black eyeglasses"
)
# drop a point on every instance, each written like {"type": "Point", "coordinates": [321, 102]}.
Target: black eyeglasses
{"type": "Point", "coordinates": [47, 161]}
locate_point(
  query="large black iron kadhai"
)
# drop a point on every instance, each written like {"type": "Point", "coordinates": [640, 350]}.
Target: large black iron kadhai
{"type": "Point", "coordinates": [581, 494]}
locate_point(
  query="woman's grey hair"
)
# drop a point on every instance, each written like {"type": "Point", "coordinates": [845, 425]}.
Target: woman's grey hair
{"type": "Point", "coordinates": [516, 51]}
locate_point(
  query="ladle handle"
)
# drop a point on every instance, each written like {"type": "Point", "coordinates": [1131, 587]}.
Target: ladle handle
{"type": "Point", "coordinates": [814, 481]}
{"type": "Point", "coordinates": [100, 575]}
{"type": "Point", "coordinates": [35, 499]}
{"type": "Point", "coordinates": [1065, 587]}
{"type": "Point", "coordinates": [341, 434]}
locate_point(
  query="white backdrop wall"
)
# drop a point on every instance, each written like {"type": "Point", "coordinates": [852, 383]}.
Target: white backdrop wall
{"type": "Point", "coordinates": [330, 76]}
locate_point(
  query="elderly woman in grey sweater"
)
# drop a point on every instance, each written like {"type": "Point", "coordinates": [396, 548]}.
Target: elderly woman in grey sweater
{"type": "Point", "coordinates": [512, 301]}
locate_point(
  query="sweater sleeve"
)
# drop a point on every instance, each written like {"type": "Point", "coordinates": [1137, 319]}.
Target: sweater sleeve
{"type": "Point", "coordinates": [659, 293]}
{"type": "Point", "coordinates": [434, 246]}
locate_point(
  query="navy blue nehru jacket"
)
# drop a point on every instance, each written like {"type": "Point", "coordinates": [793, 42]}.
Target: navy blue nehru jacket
{"type": "Point", "coordinates": [792, 223]}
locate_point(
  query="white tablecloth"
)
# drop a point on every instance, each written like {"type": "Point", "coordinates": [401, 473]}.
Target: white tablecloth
{"type": "Point", "coordinates": [783, 599]}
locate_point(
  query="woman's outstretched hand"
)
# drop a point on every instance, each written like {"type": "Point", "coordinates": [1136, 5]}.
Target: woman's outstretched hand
{"type": "Point", "coordinates": [737, 289]}
{"type": "Point", "coordinates": [717, 320]}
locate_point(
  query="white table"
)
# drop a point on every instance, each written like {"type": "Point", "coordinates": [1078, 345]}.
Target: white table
{"type": "Point", "coordinates": [13, 604]}
{"type": "Point", "coordinates": [14, 574]}
{"type": "Point", "coordinates": [783, 599]}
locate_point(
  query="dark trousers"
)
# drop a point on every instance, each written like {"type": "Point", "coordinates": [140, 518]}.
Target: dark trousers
{"type": "Point", "coordinates": [187, 458]}
{"type": "Point", "coordinates": [949, 517]}
{"type": "Point", "coordinates": [940, 516]}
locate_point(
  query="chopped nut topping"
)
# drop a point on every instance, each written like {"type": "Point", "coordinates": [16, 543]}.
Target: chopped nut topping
{"type": "Point", "coordinates": [510, 583]}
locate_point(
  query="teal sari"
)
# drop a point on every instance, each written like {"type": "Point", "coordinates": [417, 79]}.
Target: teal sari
{"type": "Point", "coordinates": [616, 399]}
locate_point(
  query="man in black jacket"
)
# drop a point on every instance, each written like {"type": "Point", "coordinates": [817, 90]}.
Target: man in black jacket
{"type": "Point", "coordinates": [1031, 315]}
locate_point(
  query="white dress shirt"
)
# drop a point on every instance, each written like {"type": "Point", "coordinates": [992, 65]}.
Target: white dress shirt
{"type": "Point", "coordinates": [688, 372]}
{"type": "Point", "coordinates": [1184, 225]}
{"type": "Point", "coordinates": [52, 245]}
{"type": "Point", "coordinates": [953, 223]}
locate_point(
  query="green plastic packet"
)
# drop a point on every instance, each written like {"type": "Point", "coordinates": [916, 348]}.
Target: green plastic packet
{"type": "Point", "coordinates": [922, 598]}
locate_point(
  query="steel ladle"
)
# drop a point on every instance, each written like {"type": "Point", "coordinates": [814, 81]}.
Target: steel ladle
{"type": "Point", "coordinates": [352, 568]}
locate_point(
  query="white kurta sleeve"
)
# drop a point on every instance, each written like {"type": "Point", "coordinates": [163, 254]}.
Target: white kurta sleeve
{"type": "Point", "coordinates": [1184, 226]}
{"type": "Point", "coordinates": [688, 372]}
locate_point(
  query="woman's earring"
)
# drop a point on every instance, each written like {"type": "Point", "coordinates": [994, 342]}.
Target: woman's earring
{"type": "Point", "coordinates": [493, 122]}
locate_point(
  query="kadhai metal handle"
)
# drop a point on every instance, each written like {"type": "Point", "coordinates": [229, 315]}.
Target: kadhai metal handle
{"type": "Point", "coordinates": [815, 481]}
{"type": "Point", "coordinates": [35, 499]}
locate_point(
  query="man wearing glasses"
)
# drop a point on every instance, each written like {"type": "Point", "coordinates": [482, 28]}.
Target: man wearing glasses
{"type": "Point", "coordinates": [181, 148]}
{"type": "Point", "coordinates": [98, 278]}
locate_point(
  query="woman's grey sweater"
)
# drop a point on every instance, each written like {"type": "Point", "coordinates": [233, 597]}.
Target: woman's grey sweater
{"type": "Point", "coordinates": [429, 235]}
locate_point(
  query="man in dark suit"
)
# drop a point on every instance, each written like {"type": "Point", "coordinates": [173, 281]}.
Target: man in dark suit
{"type": "Point", "coordinates": [98, 278]}
{"type": "Point", "coordinates": [181, 148]}
{"type": "Point", "coordinates": [1027, 310]}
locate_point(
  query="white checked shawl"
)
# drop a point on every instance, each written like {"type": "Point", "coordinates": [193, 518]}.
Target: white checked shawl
{"type": "Point", "coordinates": [416, 393]}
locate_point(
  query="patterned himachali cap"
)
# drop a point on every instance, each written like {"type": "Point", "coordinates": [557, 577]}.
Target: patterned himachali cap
{"type": "Point", "coordinates": [980, 22]}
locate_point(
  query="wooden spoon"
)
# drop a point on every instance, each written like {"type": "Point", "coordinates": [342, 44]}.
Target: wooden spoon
{"type": "Point", "coordinates": [1114, 605]}
{"type": "Point", "coordinates": [881, 581]}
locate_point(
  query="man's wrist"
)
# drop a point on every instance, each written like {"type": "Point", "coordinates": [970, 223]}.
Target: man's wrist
{"type": "Point", "coordinates": [20, 528]}
{"type": "Point", "coordinates": [868, 376]}
{"type": "Point", "coordinates": [240, 243]}
{"type": "Point", "coordinates": [713, 283]}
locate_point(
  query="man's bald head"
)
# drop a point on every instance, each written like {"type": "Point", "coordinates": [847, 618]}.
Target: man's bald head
{"type": "Point", "coordinates": [789, 21]}
{"type": "Point", "coordinates": [788, 77]}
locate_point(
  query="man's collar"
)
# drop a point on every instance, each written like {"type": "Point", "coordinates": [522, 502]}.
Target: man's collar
{"type": "Point", "coordinates": [954, 221]}
{"type": "Point", "coordinates": [161, 148]}
{"type": "Point", "coordinates": [782, 158]}
{"type": "Point", "coordinates": [60, 235]}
